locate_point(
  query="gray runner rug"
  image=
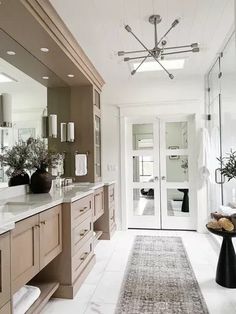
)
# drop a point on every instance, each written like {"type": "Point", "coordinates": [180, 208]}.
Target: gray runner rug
{"type": "Point", "coordinates": [159, 279]}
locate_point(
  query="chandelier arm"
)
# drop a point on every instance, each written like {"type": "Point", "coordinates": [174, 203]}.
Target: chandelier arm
{"type": "Point", "coordinates": [176, 52]}
{"type": "Point", "coordinates": [141, 63]}
{"type": "Point", "coordinates": [152, 54]}
{"type": "Point", "coordinates": [134, 51]}
{"type": "Point", "coordinates": [177, 47]}
{"type": "Point", "coordinates": [137, 58]}
{"type": "Point", "coordinates": [155, 36]}
{"type": "Point", "coordinates": [172, 26]}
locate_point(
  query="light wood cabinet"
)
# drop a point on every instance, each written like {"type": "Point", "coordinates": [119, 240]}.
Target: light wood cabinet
{"type": "Point", "coordinates": [6, 309]}
{"type": "Point", "coordinates": [50, 235]}
{"type": "Point", "coordinates": [98, 203]}
{"type": "Point", "coordinates": [24, 251]}
{"type": "Point", "coordinates": [4, 270]}
{"type": "Point", "coordinates": [35, 241]}
{"type": "Point", "coordinates": [71, 267]}
{"type": "Point", "coordinates": [107, 222]}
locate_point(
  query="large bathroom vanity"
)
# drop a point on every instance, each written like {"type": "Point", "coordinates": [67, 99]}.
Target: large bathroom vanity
{"type": "Point", "coordinates": [48, 240]}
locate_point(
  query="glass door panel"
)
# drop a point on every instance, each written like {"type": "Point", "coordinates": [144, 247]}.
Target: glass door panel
{"type": "Point", "coordinates": [143, 185]}
{"type": "Point", "coordinates": [177, 207]}
{"type": "Point", "coordinates": [228, 111]}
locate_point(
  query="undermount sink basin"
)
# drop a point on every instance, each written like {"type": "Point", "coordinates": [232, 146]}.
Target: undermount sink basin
{"type": "Point", "coordinates": [11, 206]}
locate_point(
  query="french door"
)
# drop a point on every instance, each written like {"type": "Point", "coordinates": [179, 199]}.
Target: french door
{"type": "Point", "coordinates": [159, 167]}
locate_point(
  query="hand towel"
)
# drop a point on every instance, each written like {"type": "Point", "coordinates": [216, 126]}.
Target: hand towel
{"type": "Point", "coordinates": [24, 298]}
{"type": "Point", "coordinates": [81, 165]}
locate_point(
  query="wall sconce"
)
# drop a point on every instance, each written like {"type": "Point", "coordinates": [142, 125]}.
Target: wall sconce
{"type": "Point", "coordinates": [49, 126]}
{"type": "Point", "coordinates": [67, 132]}
{"type": "Point", "coordinates": [6, 110]}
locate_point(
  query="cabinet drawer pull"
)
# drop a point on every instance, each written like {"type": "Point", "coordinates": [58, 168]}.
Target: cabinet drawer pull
{"type": "Point", "coordinates": [82, 258]}
{"type": "Point", "coordinates": [97, 194]}
{"type": "Point", "coordinates": [83, 209]}
{"type": "Point", "coordinates": [43, 222]}
{"type": "Point", "coordinates": [83, 232]}
{"type": "Point", "coordinates": [37, 226]}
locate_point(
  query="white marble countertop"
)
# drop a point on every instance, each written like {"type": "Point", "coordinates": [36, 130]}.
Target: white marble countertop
{"type": "Point", "coordinates": [14, 209]}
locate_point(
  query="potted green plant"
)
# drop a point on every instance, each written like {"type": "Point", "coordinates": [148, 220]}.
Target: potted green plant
{"type": "Point", "coordinates": [16, 159]}
{"type": "Point", "coordinates": [41, 159]}
{"type": "Point", "coordinates": [228, 165]}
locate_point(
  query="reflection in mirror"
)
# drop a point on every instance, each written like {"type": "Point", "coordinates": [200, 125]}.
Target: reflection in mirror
{"type": "Point", "coordinates": [142, 136]}
{"type": "Point", "coordinates": [176, 135]}
{"type": "Point", "coordinates": [178, 202]}
{"type": "Point", "coordinates": [29, 104]}
{"type": "Point", "coordinates": [143, 202]}
{"type": "Point", "coordinates": [177, 168]}
{"type": "Point", "coordinates": [142, 169]}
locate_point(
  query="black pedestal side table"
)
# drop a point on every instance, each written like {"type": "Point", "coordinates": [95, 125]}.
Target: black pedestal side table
{"type": "Point", "coordinates": [226, 268]}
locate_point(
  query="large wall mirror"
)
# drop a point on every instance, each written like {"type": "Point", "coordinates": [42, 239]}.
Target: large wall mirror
{"type": "Point", "coordinates": [23, 89]}
{"type": "Point", "coordinates": [27, 103]}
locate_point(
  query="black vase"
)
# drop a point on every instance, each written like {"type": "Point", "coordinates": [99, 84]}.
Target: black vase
{"type": "Point", "coordinates": [41, 181]}
{"type": "Point", "coordinates": [19, 179]}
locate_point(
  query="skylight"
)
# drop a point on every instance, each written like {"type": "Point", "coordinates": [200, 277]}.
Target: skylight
{"type": "Point", "coordinates": [4, 78]}
{"type": "Point", "coordinates": [175, 64]}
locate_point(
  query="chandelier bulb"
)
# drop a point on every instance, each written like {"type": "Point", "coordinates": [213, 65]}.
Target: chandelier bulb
{"type": "Point", "coordinates": [121, 53]}
{"type": "Point", "coordinates": [133, 72]}
{"type": "Point", "coordinates": [195, 49]}
{"type": "Point", "coordinates": [126, 59]}
{"type": "Point", "coordinates": [176, 22]}
{"type": "Point", "coordinates": [128, 28]}
{"type": "Point", "coordinates": [194, 45]}
{"type": "Point", "coordinates": [171, 76]}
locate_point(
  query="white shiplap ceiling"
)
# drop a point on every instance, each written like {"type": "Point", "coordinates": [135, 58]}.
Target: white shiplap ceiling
{"type": "Point", "coordinates": [98, 27]}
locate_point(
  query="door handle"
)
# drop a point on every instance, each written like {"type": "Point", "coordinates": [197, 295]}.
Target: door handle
{"type": "Point", "coordinates": [156, 178]}
{"type": "Point", "coordinates": [163, 178]}
{"type": "Point", "coordinates": [221, 176]}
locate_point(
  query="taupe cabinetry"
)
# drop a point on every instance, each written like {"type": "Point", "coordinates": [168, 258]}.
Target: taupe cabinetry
{"type": "Point", "coordinates": [5, 277]}
{"type": "Point", "coordinates": [72, 266]}
{"type": "Point", "coordinates": [35, 241]}
{"type": "Point", "coordinates": [98, 203]}
{"type": "Point", "coordinates": [50, 234]}
{"type": "Point", "coordinates": [106, 223]}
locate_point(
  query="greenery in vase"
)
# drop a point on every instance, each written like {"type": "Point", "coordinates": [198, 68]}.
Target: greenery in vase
{"type": "Point", "coordinates": [40, 157]}
{"type": "Point", "coordinates": [228, 165]}
{"type": "Point", "coordinates": [16, 159]}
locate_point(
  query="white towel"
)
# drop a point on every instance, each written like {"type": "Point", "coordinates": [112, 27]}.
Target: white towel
{"type": "Point", "coordinates": [81, 165]}
{"type": "Point", "coordinates": [24, 298]}
{"type": "Point", "coordinates": [227, 210]}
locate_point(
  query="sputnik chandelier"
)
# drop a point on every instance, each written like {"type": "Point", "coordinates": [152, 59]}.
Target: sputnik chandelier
{"type": "Point", "coordinates": [160, 50]}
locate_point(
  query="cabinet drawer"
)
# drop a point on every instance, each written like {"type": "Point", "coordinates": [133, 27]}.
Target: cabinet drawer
{"type": "Point", "coordinates": [81, 209]}
{"type": "Point", "coordinates": [81, 259]}
{"type": "Point", "coordinates": [6, 309]}
{"type": "Point", "coordinates": [5, 269]}
{"type": "Point", "coordinates": [81, 234]}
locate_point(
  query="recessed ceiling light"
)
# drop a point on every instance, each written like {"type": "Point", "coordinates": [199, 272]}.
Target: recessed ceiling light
{"type": "Point", "coordinates": [11, 53]}
{"type": "Point", "coordinates": [44, 49]}
{"type": "Point", "coordinates": [175, 64]}
{"type": "Point", "coordinates": [70, 75]}
{"type": "Point", "coordinates": [4, 78]}
{"type": "Point", "coordinates": [45, 77]}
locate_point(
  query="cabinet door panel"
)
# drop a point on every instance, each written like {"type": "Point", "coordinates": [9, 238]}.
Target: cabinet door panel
{"type": "Point", "coordinates": [50, 235]}
{"type": "Point", "coordinates": [98, 203]}
{"type": "Point", "coordinates": [24, 251]}
{"type": "Point", "coordinates": [5, 269]}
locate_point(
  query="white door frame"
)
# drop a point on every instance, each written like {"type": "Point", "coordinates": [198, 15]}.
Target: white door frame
{"type": "Point", "coordinates": [123, 153]}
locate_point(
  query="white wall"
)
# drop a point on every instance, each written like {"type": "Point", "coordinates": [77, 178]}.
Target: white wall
{"type": "Point", "coordinates": [143, 98]}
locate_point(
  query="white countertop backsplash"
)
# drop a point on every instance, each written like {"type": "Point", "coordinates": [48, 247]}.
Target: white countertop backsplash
{"type": "Point", "coordinates": [17, 204]}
